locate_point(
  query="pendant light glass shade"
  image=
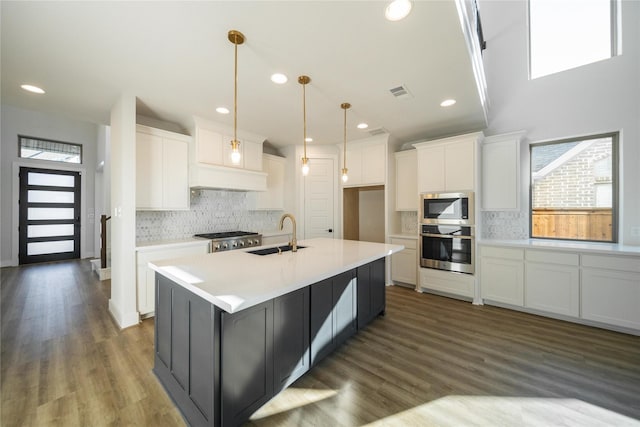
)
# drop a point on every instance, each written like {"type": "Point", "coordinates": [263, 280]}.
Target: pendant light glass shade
{"type": "Point", "coordinates": [345, 106]}
{"type": "Point", "coordinates": [303, 80]}
{"type": "Point", "coordinates": [235, 37]}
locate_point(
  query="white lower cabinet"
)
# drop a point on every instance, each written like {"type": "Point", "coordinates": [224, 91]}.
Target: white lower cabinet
{"type": "Point", "coordinates": [611, 290]}
{"type": "Point", "coordinates": [602, 288]}
{"type": "Point", "coordinates": [146, 277]}
{"type": "Point", "coordinates": [502, 274]}
{"type": "Point", "coordinates": [455, 284]}
{"type": "Point", "coordinates": [404, 264]}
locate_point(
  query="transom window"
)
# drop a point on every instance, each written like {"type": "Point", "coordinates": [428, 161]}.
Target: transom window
{"type": "Point", "coordinates": [565, 34]}
{"type": "Point", "coordinates": [45, 149]}
{"type": "Point", "coordinates": [574, 189]}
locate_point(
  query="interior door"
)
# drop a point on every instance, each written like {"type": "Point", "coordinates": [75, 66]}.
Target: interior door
{"type": "Point", "coordinates": [49, 215]}
{"type": "Point", "coordinates": [319, 199]}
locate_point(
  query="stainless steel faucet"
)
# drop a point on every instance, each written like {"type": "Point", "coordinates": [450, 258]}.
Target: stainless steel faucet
{"type": "Point", "coordinates": [294, 241]}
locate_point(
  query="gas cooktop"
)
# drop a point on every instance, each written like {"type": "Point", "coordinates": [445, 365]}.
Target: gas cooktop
{"type": "Point", "coordinates": [226, 234]}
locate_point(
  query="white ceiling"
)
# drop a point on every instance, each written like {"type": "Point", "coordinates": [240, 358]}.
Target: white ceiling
{"type": "Point", "coordinates": [176, 58]}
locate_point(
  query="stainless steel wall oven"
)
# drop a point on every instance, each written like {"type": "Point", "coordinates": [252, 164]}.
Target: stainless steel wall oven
{"type": "Point", "coordinates": [448, 247]}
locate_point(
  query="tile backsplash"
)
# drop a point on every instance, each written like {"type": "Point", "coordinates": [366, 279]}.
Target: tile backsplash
{"type": "Point", "coordinates": [211, 211]}
{"type": "Point", "coordinates": [409, 222]}
{"type": "Point", "coordinates": [507, 225]}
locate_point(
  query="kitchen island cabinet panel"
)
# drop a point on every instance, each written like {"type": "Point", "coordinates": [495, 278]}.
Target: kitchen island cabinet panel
{"type": "Point", "coordinates": [291, 338]}
{"type": "Point", "coordinates": [247, 362]}
{"type": "Point", "coordinates": [333, 314]}
{"type": "Point", "coordinates": [371, 291]}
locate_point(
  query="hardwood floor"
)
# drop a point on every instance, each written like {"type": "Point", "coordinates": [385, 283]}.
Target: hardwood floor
{"type": "Point", "coordinates": [429, 361]}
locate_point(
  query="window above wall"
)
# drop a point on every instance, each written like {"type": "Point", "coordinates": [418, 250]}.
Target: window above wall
{"type": "Point", "coordinates": [565, 34]}
{"type": "Point", "coordinates": [574, 189]}
{"type": "Point", "coordinates": [44, 149]}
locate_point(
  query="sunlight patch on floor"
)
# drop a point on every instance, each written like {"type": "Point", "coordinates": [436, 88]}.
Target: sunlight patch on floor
{"type": "Point", "coordinates": [292, 398]}
{"type": "Point", "coordinates": [506, 411]}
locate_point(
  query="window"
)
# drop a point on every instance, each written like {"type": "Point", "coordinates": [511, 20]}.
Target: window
{"type": "Point", "coordinates": [565, 34]}
{"type": "Point", "coordinates": [44, 149]}
{"type": "Point", "coordinates": [574, 189]}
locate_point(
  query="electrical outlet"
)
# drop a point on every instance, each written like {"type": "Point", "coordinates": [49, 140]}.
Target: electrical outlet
{"type": "Point", "coordinates": [635, 231]}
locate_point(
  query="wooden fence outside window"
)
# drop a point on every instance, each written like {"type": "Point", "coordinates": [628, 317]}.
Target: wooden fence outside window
{"type": "Point", "coordinates": [582, 224]}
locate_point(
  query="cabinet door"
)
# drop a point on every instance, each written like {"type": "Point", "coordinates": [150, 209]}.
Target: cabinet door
{"type": "Point", "coordinates": [291, 337]}
{"type": "Point", "coordinates": [404, 264]}
{"type": "Point", "coordinates": [371, 291]}
{"type": "Point", "coordinates": [459, 165]}
{"type": "Point", "coordinates": [501, 175]}
{"type": "Point", "coordinates": [431, 169]}
{"type": "Point", "coordinates": [407, 181]}
{"type": "Point", "coordinates": [502, 280]}
{"type": "Point", "coordinates": [209, 147]}
{"type": "Point", "coordinates": [354, 165]}
{"type": "Point", "coordinates": [252, 156]}
{"type": "Point", "coordinates": [333, 314]}
{"type": "Point", "coordinates": [246, 362]}
{"type": "Point", "coordinates": [552, 287]}
{"type": "Point", "coordinates": [374, 164]}
{"type": "Point", "coordinates": [148, 171]}
{"type": "Point", "coordinates": [611, 297]}
{"type": "Point", "coordinates": [175, 174]}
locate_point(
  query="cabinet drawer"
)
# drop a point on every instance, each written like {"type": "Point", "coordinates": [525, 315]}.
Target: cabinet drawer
{"type": "Point", "coordinates": [622, 263]}
{"type": "Point", "coordinates": [501, 252]}
{"type": "Point", "coordinates": [407, 243]}
{"type": "Point", "coordinates": [547, 257]}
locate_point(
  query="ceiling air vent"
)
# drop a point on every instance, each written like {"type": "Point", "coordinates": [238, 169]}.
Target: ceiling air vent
{"type": "Point", "coordinates": [377, 131]}
{"type": "Point", "coordinates": [401, 92]}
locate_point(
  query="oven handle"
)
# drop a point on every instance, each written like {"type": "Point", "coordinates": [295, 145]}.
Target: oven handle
{"type": "Point", "coordinates": [446, 236]}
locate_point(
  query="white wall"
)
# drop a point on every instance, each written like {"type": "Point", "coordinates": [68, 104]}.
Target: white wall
{"type": "Point", "coordinates": [16, 121]}
{"type": "Point", "coordinates": [122, 303]}
{"type": "Point", "coordinates": [371, 222]}
{"type": "Point", "coordinates": [596, 98]}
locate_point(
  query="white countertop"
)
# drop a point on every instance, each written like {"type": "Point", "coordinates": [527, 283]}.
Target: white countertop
{"type": "Point", "coordinates": [404, 236]}
{"type": "Point", "coordinates": [564, 245]}
{"type": "Point", "coordinates": [236, 280]}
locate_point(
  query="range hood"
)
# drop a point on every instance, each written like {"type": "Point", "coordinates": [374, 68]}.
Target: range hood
{"type": "Point", "coordinates": [226, 178]}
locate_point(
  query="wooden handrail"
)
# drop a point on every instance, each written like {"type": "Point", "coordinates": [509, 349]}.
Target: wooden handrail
{"type": "Point", "coordinates": [103, 240]}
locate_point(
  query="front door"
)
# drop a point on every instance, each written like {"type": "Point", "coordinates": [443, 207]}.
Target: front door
{"type": "Point", "coordinates": [49, 223]}
{"type": "Point", "coordinates": [319, 199]}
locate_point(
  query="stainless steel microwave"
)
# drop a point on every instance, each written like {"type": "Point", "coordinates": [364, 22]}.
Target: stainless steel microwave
{"type": "Point", "coordinates": [447, 208]}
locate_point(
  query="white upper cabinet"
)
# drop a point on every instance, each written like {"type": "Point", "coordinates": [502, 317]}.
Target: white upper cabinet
{"type": "Point", "coordinates": [406, 180]}
{"type": "Point", "coordinates": [273, 198]}
{"type": "Point", "coordinates": [501, 168]}
{"type": "Point", "coordinates": [162, 170]}
{"type": "Point", "coordinates": [448, 164]}
{"type": "Point", "coordinates": [210, 161]}
{"type": "Point", "coordinates": [367, 162]}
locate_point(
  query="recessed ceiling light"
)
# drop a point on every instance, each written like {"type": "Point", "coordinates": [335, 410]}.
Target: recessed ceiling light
{"type": "Point", "coordinates": [308, 139]}
{"type": "Point", "coordinates": [397, 10]}
{"type": "Point", "coordinates": [31, 88]}
{"type": "Point", "coordinates": [279, 78]}
{"type": "Point", "coordinates": [222, 110]}
{"type": "Point", "coordinates": [447, 102]}
{"type": "Point", "coordinates": [362, 126]}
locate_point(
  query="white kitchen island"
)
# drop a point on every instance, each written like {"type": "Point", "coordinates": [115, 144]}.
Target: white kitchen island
{"type": "Point", "coordinates": [234, 328]}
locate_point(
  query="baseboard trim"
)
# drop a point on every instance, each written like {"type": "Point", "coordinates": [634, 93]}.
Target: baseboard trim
{"type": "Point", "coordinates": [126, 321]}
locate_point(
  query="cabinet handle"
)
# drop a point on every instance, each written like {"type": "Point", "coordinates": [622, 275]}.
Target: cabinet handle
{"type": "Point", "coordinates": [330, 230]}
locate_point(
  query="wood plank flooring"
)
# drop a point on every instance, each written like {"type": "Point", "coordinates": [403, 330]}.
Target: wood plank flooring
{"type": "Point", "coordinates": [431, 361]}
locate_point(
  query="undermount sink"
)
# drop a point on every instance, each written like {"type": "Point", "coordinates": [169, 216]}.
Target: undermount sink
{"type": "Point", "coordinates": [274, 250]}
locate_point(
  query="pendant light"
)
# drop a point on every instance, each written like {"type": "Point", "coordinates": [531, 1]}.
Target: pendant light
{"type": "Point", "coordinates": [235, 37]}
{"type": "Point", "coordinates": [304, 80]}
{"type": "Point", "coordinates": [345, 106]}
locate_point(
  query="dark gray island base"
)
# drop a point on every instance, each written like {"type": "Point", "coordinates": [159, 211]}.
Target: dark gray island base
{"type": "Point", "coordinates": [220, 367]}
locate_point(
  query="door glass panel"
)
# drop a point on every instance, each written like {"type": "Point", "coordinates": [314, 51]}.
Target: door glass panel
{"type": "Point", "coordinates": [51, 179]}
{"type": "Point", "coordinates": [39, 248]}
{"type": "Point", "coordinates": [39, 196]}
{"type": "Point", "coordinates": [50, 230]}
{"type": "Point", "coordinates": [50, 213]}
